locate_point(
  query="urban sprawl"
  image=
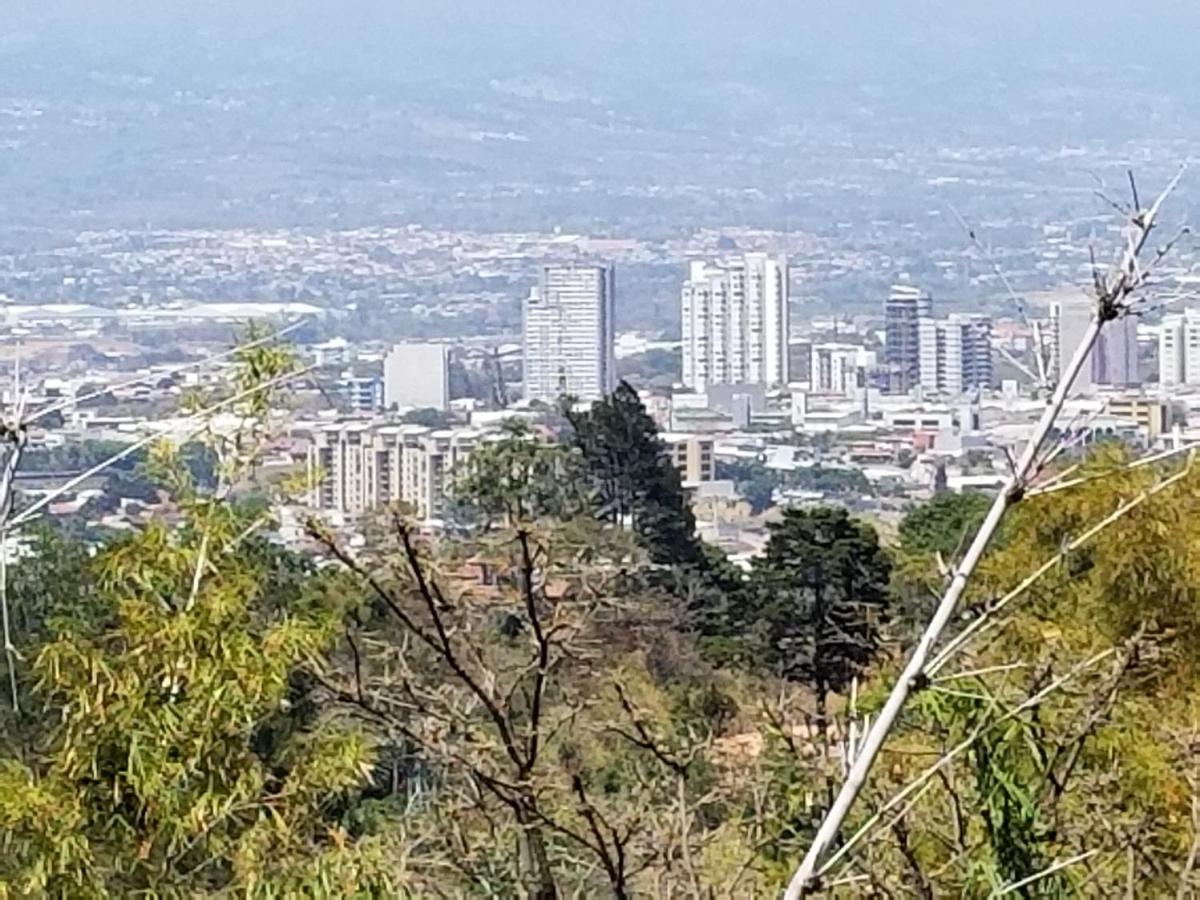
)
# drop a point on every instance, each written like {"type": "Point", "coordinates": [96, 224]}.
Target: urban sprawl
{"type": "Point", "coordinates": [758, 403]}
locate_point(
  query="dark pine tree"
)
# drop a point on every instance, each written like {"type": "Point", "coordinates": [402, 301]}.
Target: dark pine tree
{"type": "Point", "coordinates": [633, 480]}
{"type": "Point", "coordinates": [818, 598]}
{"type": "Point", "coordinates": [634, 483]}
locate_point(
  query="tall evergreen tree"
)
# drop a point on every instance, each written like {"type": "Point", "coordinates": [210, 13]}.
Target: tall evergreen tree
{"type": "Point", "coordinates": [633, 479]}
{"type": "Point", "coordinates": [818, 596]}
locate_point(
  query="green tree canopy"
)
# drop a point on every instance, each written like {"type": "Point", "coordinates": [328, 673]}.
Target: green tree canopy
{"type": "Point", "coordinates": [521, 476]}
{"type": "Point", "coordinates": [819, 598]}
{"type": "Point", "coordinates": [160, 740]}
{"type": "Point", "coordinates": [946, 524]}
{"type": "Point", "coordinates": [633, 480]}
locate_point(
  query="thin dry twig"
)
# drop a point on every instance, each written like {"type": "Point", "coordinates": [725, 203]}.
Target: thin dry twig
{"type": "Point", "coordinates": [200, 416]}
{"type": "Point", "coordinates": [1044, 873]}
{"type": "Point", "coordinates": [166, 371]}
{"type": "Point", "coordinates": [919, 782]}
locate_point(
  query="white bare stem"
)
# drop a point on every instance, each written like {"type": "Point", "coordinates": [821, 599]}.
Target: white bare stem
{"type": "Point", "coordinates": [979, 673]}
{"type": "Point", "coordinates": [957, 750]}
{"type": "Point", "coordinates": [1044, 873]}
{"type": "Point", "coordinates": [1042, 378]}
{"type": "Point", "coordinates": [1083, 424]}
{"type": "Point", "coordinates": [1014, 362]}
{"type": "Point", "coordinates": [990, 616]}
{"type": "Point", "coordinates": [7, 476]}
{"type": "Point", "coordinates": [914, 670]}
{"type": "Point", "coordinates": [10, 651]}
{"type": "Point", "coordinates": [201, 560]}
{"type": "Point", "coordinates": [1053, 485]}
{"type": "Point", "coordinates": [200, 416]}
{"type": "Point", "coordinates": [1113, 299]}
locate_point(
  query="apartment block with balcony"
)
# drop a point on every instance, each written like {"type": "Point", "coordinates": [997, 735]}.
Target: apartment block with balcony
{"type": "Point", "coordinates": [357, 467]}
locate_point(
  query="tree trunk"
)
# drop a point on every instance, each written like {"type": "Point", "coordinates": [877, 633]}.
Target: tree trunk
{"type": "Point", "coordinates": [536, 876]}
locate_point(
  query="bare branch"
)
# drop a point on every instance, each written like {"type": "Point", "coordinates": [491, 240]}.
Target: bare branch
{"type": "Point", "coordinates": [959, 749]}
{"type": "Point", "coordinates": [1059, 483]}
{"type": "Point", "coordinates": [1044, 873]}
{"type": "Point", "coordinates": [1041, 377]}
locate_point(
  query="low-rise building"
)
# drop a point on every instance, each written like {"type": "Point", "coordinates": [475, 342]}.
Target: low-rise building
{"type": "Point", "coordinates": [693, 457]}
{"type": "Point", "coordinates": [355, 467]}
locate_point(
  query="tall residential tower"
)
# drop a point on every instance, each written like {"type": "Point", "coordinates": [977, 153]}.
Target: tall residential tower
{"type": "Point", "coordinates": [735, 322]}
{"type": "Point", "coordinates": [568, 333]}
{"type": "Point", "coordinates": [902, 313]}
{"type": "Point", "coordinates": [955, 354]}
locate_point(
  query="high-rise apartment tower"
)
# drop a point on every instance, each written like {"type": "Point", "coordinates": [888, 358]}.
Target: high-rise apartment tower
{"type": "Point", "coordinates": [735, 322]}
{"type": "Point", "coordinates": [955, 354]}
{"type": "Point", "coordinates": [568, 333]}
{"type": "Point", "coordinates": [902, 313]}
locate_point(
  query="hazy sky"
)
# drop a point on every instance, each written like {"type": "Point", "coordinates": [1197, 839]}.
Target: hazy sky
{"type": "Point", "coordinates": [998, 33]}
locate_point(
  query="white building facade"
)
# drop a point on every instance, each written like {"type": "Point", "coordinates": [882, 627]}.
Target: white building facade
{"type": "Point", "coordinates": [1179, 349]}
{"type": "Point", "coordinates": [417, 375]}
{"type": "Point", "coordinates": [355, 467]}
{"type": "Point", "coordinates": [955, 354]}
{"type": "Point", "coordinates": [568, 333]}
{"type": "Point", "coordinates": [735, 322]}
{"type": "Point", "coordinates": [840, 368]}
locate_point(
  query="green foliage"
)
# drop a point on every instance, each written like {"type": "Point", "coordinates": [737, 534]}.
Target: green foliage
{"type": "Point", "coordinates": [632, 478]}
{"type": "Point", "coordinates": [848, 482]}
{"type": "Point", "coordinates": [819, 599]}
{"type": "Point", "coordinates": [946, 524]}
{"type": "Point", "coordinates": [77, 456]}
{"type": "Point", "coordinates": [757, 483]}
{"type": "Point", "coordinates": [633, 482]}
{"type": "Point", "coordinates": [130, 477]}
{"type": "Point", "coordinates": [520, 477]}
{"type": "Point", "coordinates": [1105, 764]}
{"type": "Point", "coordinates": [153, 768]}
{"type": "Point", "coordinates": [166, 746]}
{"type": "Point", "coordinates": [427, 417]}
{"type": "Point", "coordinates": [530, 707]}
{"type": "Point", "coordinates": [654, 367]}
{"type": "Point", "coordinates": [754, 482]}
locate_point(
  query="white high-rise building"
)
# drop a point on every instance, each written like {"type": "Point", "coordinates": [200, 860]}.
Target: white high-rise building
{"type": "Point", "coordinates": [1179, 349]}
{"type": "Point", "coordinates": [568, 333]}
{"type": "Point", "coordinates": [417, 375]}
{"type": "Point", "coordinates": [955, 354]}
{"type": "Point", "coordinates": [735, 322]}
{"type": "Point", "coordinates": [902, 311]}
